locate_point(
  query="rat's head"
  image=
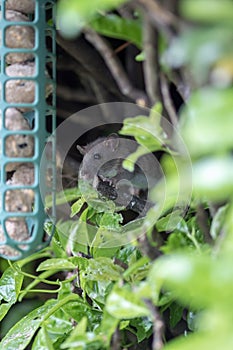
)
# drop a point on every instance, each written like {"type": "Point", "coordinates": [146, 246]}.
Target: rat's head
{"type": "Point", "coordinates": [102, 169]}
{"type": "Point", "coordinates": [100, 152]}
{"type": "Point", "coordinates": [96, 154]}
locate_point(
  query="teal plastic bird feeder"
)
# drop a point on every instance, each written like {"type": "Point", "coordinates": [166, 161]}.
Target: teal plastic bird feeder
{"type": "Point", "coordinates": [27, 124]}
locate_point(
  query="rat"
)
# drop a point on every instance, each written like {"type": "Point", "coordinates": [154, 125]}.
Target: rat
{"type": "Point", "coordinates": [102, 168]}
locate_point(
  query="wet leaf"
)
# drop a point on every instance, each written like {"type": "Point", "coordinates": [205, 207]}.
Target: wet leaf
{"type": "Point", "coordinates": [10, 284]}
{"type": "Point", "coordinates": [123, 303]}
{"type": "Point", "coordinates": [21, 334]}
{"type": "Point", "coordinates": [56, 264]}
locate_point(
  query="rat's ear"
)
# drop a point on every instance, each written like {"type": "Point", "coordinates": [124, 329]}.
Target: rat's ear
{"type": "Point", "coordinates": [81, 150]}
{"type": "Point", "coordinates": [112, 141]}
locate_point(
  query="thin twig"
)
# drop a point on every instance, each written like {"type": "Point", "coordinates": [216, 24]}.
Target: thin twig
{"type": "Point", "coordinates": [172, 6]}
{"type": "Point", "coordinates": [90, 61]}
{"type": "Point", "coordinates": [65, 63]}
{"type": "Point", "coordinates": [167, 100]}
{"type": "Point", "coordinates": [69, 94]}
{"type": "Point", "coordinates": [102, 98]}
{"type": "Point", "coordinates": [63, 113]}
{"type": "Point", "coordinates": [125, 11]}
{"type": "Point", "coordinates": [122, 47]}
{"type": "Point", "coordinates": [116, 340]}
{"type": "Point", "coordinates": [160, 17]}
{"type": "Point", "coordinates": [202, 220]}
{"type": "Point", "coordinates": [158, 326]}
{"type": "Point", "coordinates": [115, 67]}
{"type": "Point", "coordinates": [152, 251]}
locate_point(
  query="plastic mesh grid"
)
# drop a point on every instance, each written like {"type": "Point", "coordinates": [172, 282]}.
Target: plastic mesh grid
{"type": "Point", "coordinates": [28, 106]}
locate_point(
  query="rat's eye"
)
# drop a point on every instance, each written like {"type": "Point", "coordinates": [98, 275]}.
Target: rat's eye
{"type": "Point", "coordinates": [97, 156]}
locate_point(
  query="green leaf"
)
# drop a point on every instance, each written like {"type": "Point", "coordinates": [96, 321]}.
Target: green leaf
{"type": "Point", "coordinates": [130, 161]}
{"type": "Point", "coordinates": [72, 16]}
{"type": "Point", "coordinates": [192, 319]}
{"type": "Point", "coordinates": [42, 341]}
{"type": "Point", "coordinates": [108, 325]}
{"type": "Point", "coordinates": [76, 207]}
{"type": "Point", "coordinates": [102, 269]}
{"type": "Point", "coordinates": [176, 312]}
{"type": "Point", "coordinates": [114, 26]}
{"type": "Point", "coordinates": [227, 229]}
{"type": "Point", "coordinates": [207, 126]}
{"type": "Point", "coordinates": [53, 329]}
{"type": "Point", "coordinates": [196, 279]}
{"type": "Point", "coordinates": [200, 49]}
{"type": "Point", "coordinates": [95, 204]}
{"type": "Point", "coordinates": [209, 11]}
{"type": "Point", "coordinates": [100, 205]}
{"type": "Point", "coordinates": [143, 326]}
{"type": "Point", "coordinates": [140, 57]}
{"type": "Point", "coordinates": [213, 178]}
{"type": "Point", "coordinates": [4, 308]}
{"type": "Point", "coordinates": [138, 270]}
{"type": "Point", "coordinates": [123, 303]}
{"type": "Point", "coordinates": [56, 264]}
{"type": "Point", "coordinates": [78, 239]}
{"type": "Point", "coordinates": [77, 311]}
{"type": "Point", "coordinates": [10, 284]}
{"type": "Point", "coordinates": [217, 222]}
{"type": "Point", "coordinates": [213, 340]}
{"type": "Point", "coordinates": [146, 131]}
{"type": "Point", "coordinates": [175, 242]}
{"type": "Point", "coordinates": [111, 221]}
{"type": "Point", "coordinates": [126, 252]}
{"type": "Point", "coordinates": [80, 338]}
{"type": "Point", "coordinates": [105, 242]}
{"type": "Point", "coordinates": [169, 222]}
{"type": "Point", "coordinates": [23, 331]}
{"type": "Point", "coordinates": [68, 195]}
{"type": "Point", "coordinates": [21, 334]}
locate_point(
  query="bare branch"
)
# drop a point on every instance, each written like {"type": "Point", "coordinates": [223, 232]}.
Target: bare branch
{"type": "Point", "coordinates": [116, 340]}
{"type": "Point", "coordinates": [90, 61]}
{"type": "Point", "coordinates": [115, 67]}
{"type": "Point", "coordinates": [158, 327]}
{"type": "Point", "coordinates": [145, 246]}
{"type": "Point", "coordinates": [202, 220]}
{"type": "Point", "coordinates": [102, 97]}
{"type": "Point", "coordinates": [69, 94]}
{"type": "Point", "coordinates": [161, 15]}
{"type": "Point", "coordinates": [167, 100]}
{"type": "Point", "coordinates": [161, 18]}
